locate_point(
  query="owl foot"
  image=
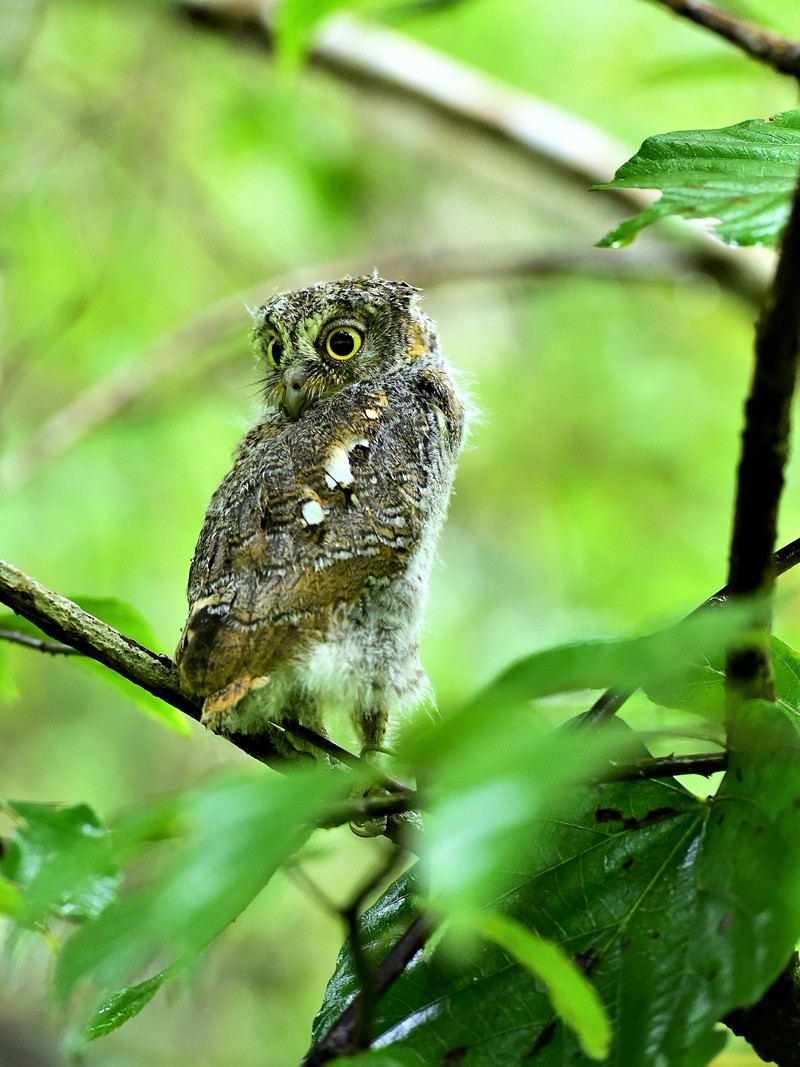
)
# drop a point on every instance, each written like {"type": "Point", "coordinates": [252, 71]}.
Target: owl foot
{"type": "Point", "coordinates": [219, 704]}
{"type": "Point", "coordinates": [371, 825]}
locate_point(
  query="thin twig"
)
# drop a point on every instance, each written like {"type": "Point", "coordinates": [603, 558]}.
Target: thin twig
{"type": "Point", "coordinates": [780, 53]}
{"type": "Point", "coordinates": [297, 873]}
{"type": "Point", "coordinates": [363, 970]}
{"type": "Point", "coordinates": [372, 806]}
{"type": "Point", "coordinates": [705, 763]}
{"type": "Point", "coordinates": [760, 476]}
{"type": "Point", "coordinates": [53, 648]}
{"type": "Point", "coordinates": [339, 1039]}
{"type": "Point", "coordinates": [612, 700]}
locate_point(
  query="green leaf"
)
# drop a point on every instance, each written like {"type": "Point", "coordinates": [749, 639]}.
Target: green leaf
{"type": "Point", "coordinates": [656, 895]}
{"type": "Point", "coordinates": [742, 176]}
{"type": "Point", "coordinates": [157, 709]}
{"type": "Point", "coordinates": [381, 926]}
{"type": "Point", "coordinates": [122, 616]}
{"type": "Point", "coordinates": [786, 671]}
{"type": "Point", "coordinates": [377, 1058]}
{"type": "Point", "coordinates": [125, 618]}
{"type": "Point", "coordinates": [630, 663]}
{"type": "Point", "coordinates": [11, 900]}
{"type": "Point", "coordinates": [493, 768]}
{"type": "Point", "coordinates": [702, 688]}
{"type": "Point", "coordinates": [231, 836]}
{"type": "Point", "coordinates": [65, 847]}
{"type": "Point", "coordinates": [122, 1006]}
{"type": "Point", "coordinates": [129, 621]}
{"type": "Point", "coordinates": [490, 786]}
{"type": "Point", "coordinates": [117, 613]}
{"type": "Point", "coordinates": [573, 996]}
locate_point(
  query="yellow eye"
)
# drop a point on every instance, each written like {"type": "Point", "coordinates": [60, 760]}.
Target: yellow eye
{"type": "Point", "coordinates": [343, 343]}
{"type": "Point", "coordinates": [275, 351]}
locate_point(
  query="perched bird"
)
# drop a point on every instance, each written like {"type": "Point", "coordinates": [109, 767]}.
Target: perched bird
{"type": "Point", "coordinates": [309, 579]}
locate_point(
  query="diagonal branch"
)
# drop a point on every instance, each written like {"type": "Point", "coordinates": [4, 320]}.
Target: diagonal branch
{"type": "Point", "coordinates": [376, 59]}
{"type": "Point", "coordinates": [612, 700]}
{"type": "Point", "coordinates": [780, 53]}
{"type": "Point", "coordinates": [340, 1039]}
{"type": "Point", "coordinates": [63, 621]}
{"type": "Point", "coordinates": [67, 623]}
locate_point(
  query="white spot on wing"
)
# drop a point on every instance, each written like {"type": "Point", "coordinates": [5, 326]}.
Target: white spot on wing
{"type": "Point", "coordinates": [337, 468]}
{"type": "Point", "coordinates": [313, 513]}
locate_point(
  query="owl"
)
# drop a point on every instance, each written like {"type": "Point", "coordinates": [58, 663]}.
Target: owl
{"type": "Point", "coordinates": [310, 575]}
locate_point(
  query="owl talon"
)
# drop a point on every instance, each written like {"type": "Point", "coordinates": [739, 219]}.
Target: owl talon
{"type": "Point", "coordinates": [218, 704]}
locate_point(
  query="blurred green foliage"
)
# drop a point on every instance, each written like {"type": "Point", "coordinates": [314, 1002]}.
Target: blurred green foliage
{"type": "Point", "coordinates": [638, 885]}
{"type": "Point", "coordinates": [150, 169]}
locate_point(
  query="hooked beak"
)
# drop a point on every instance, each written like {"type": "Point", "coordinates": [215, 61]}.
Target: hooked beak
{"type": "Point", "coordinates": [295, 395]}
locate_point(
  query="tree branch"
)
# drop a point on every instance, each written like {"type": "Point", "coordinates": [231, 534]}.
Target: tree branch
{"type": "Point", "coordinates": [381, 60]}
{"type": "Point", "coordinates": [772, 1024]}
{"type": "Point", "coordinates": [84, 634]}
{"type": "Point", "coordinates": [760, 478]}
{"type": "Point", "coordinates": [339, 1040]}
{"type": "Point", "coordinates": [124, 386]}
{"type": "Point", "coordinates": [780, 53]}
{"type": "Point", "coordinates": [69, 624]}
{"type": "Point", "coordinates": [704, 764]}
{"type": "Point", "coordinates": [366, 977]}
{"type": "Point", "coordinates": [612, 700]}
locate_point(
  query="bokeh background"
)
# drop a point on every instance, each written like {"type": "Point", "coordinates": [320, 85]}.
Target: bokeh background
{"type": "Point", "coordinates": [158, 173]}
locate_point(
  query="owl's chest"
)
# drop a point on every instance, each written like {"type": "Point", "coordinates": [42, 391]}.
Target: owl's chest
{"type": "Point", "coordinates": [366, 658]}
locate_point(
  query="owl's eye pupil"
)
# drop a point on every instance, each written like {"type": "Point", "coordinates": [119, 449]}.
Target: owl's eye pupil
{"type": "Point", "coordinates": [276, 352]}
{"type": "Point", "coordinates": [342, 343]}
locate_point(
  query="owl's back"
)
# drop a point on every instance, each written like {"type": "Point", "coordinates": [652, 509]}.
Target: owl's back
{"type": "Point", "coordinates": [314, 514]}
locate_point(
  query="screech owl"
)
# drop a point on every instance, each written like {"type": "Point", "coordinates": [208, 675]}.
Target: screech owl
{"type": "Point", "coordinates": [310, 574]}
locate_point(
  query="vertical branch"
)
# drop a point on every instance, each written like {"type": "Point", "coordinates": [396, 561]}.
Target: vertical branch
{"type": "Point", "coordinates": [765, 445]}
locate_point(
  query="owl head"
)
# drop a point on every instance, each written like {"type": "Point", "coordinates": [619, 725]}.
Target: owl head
{"type": "Point", "coordinates": [316, 341]}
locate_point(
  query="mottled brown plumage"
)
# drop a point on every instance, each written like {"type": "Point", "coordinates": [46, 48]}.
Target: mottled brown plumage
{"type": "Point", "coordinates": [310, 573]}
